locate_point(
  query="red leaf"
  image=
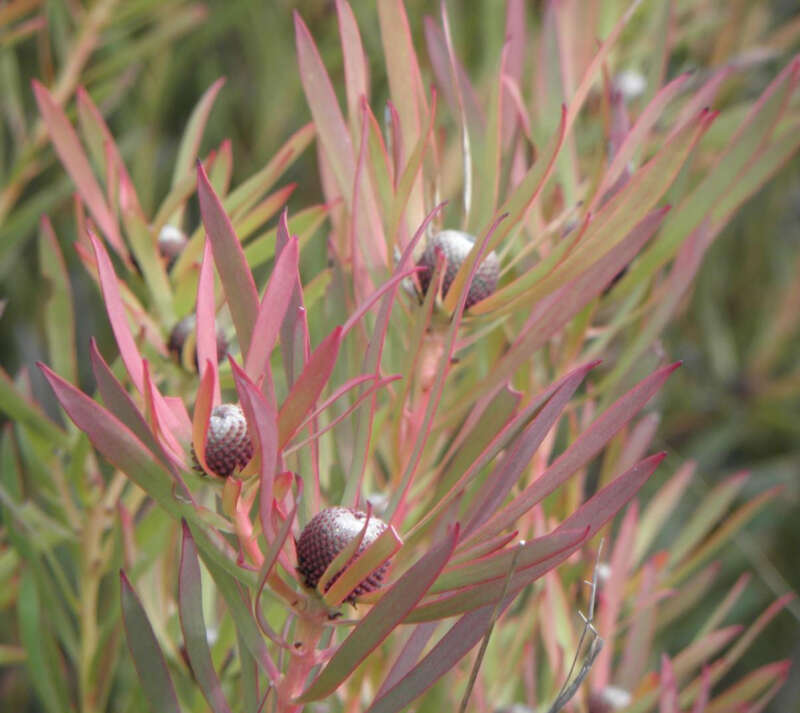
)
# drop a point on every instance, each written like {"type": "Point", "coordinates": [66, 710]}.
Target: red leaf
{"type": "Point", "coordinates": [308, 387]}
{"type": "Point", "coordinates": [205, 319]}
{"type": "Point", "coordinates": [71, 153]}
{"type": "Point", "coordinates": [234, 272]}
{"type": "Point", "coordinates": [272, 310]}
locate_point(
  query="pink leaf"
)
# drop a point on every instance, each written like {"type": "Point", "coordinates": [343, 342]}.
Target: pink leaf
{"type": "Point", "coordinates": [206, 325]}
{"type": "Point", "coordinates": [234, 272]}
{"type": "Point", "coordinates": [128, 350]}
{"type": "Point", "coordinates": [272, 310]}
{"type": "Point", "coordinates": [519, 454]}
{"type": "Point", "coordinates": [582, 450]}
{"type": "Point", "coordinates": [669, 687]}
{"type": "Point", "coordinates": [204, 402]}
{"type": "Point", "coordinates": [309, 385]}
{"type": "Point", "coordinates": [115, 441]}
{"type": "Point", "coordinates": [263, 421]}
{"type": "Point", "coordinates": [71, 153]}
{"type": "Point", "coordinates": [331, 126]}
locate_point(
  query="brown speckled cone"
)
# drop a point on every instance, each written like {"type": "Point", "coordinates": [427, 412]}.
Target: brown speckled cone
{"type": "Point", "coordinates": [228, 445]}
{"type": "Point", "coordinates": [326, 535]}
{"type": "Point", "coordinates": [456, 245]}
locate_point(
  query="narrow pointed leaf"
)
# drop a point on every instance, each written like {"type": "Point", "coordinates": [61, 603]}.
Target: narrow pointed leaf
{"type": "Point", "coordinates": [308, 387]}
{"type": "Point", "coordinates": [71, 153]}
{"type": "Point", "coordinates": [234, 272]}
{"type": "Point", "coordinates": [333, 133]}
{"type": "Point", "coordinates": [190, 608]}
{"type": "Point", "coordinates": [272, 310]}
{"type": "Point", "coordinates": [190, 143]}
{"type": "Point", "coordinates": [582, 450]}
{"type": "Point", "coordinates": [147, 656]}
{"type": "Point", "coordinates": [205, 320]}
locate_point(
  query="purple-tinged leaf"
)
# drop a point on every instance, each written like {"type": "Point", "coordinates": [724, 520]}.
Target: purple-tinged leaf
{"type": "Point", "coordinates": [335, 396]}
{"type": "Point", "coordinates": [356, 69]}
{"type": "Point", "coordinates": [633, 141]}
{"type": "Point", "coordinates": [749, 139]}
{"type": "Point", "coordinates": [613, 593]}
{"type": "Point", "coordinates": [370, 301]}
{"type": "Point", "coordinates": [496, 566]}
{"type": "Point", "coordinates": [605, 504]}
{"type": "Point", "coordinates": [582, 91]}
{"type": "Point", "coordinates": [639, 641]}
{"type": "Point", "coordinates": [450, 649]}
{"type": "Point", "coordinates": [488, 593]}
{"type": "Point", "coordinates": [515, 64]}
{"type": "Point", "coordinates": [195, 635]}
{"type": "Point", "coordinates": [147, 657]}
{"type": "Point", "coordinates": [263, 419]}
{"type": "Point", "coordinates": [408, 656]}
{"type": "Point", "coordinates": [529, 188]}
{"type": "Point", "coordinates": [237, 280]}
{"type": "Point", "coordinates": [703, 650]}
{"type": "Point", "coordinates": [155, 410]}
{"type": "Point", "coordinates": [128, 350]}
{"type": "Point", "coordinates": [405, 85]}
{"type": "Point", "coordinates": [659, 509]}
{"type": "Point", "coordinates": [519, 454]}
{"type": "Point", "coordinates": [206, 319]}
{"type": "Point", "coordinates": [371, 365]}
{"type": "Point", "coordinates": [272, 310]}
{"type": "Point", "coordinates": [331, 127]}
{"type": "Point", "coordinates": [467, 469]}
{"type": "Point", "coordinates": [582, 450]}
{"type": "Point", "coordinates": [118, 401]}
{"type": "Point", "coordinates": [203, 404]}
{"type": "Point", "coordinates": [290, 321]}
{"type": "Point", "coordinates": [190, 143]}
{"type": "Point", "coordinates": [138, 315]}
{"type": "Point", "coordinates": [71, 153]}
{"type": "Point", "coordinates": [92, 121]}
{"type": "Point", "coordinates": [117, 443]}
{"type": "Point", "coordinates": [587, 520]}
{"type": "Point", "coordinates": [442, 69]}
{"type": "Point", "coordinates": [308, 387]}
{"type": "Point", "coordinates": [381, 620]}
{"type": "Point", "coordinates": [483, 549]}
{"type": "Point", "coordinates": [668, 701]}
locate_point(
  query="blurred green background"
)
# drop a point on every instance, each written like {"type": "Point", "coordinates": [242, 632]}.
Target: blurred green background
{"type": "Point", "coordinates": [736, 403]}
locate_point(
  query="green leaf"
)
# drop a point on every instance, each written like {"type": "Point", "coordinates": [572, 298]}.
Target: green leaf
{"type": "Point", "coordinates": [147, 655]}
{"type": "Point", "coordinates": [195, 635]}
{"type": "Point", "coordinates": [59, 314]}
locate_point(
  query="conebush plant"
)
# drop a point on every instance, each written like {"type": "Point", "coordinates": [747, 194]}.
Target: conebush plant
{"type": "Point", "coordinates": [367, 454]}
